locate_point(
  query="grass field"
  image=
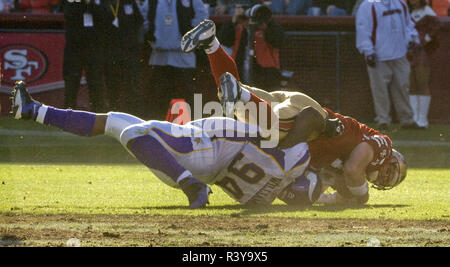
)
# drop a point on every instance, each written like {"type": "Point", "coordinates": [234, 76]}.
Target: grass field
{"type": "Point", "coordinates": [55, 186]}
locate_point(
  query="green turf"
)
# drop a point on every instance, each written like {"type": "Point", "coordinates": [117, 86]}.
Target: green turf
{"type": "Point", "coordinates": [130, 189]}
{"type": "Point", "coordinates": [100, 165]}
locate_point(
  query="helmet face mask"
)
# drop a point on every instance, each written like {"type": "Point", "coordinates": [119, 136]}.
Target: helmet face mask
{"type": "Point", "coordinates": [391, 174]}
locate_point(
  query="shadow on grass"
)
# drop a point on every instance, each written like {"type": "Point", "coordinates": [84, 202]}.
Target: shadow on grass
{"type": "Point", "coordinates": [236, 210]}
{"type": "Point", "coordinates": [276, 208]}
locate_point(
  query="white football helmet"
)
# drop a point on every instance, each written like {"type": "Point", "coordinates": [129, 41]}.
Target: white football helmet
{"type": "Point", "coordinates": [391, 174]}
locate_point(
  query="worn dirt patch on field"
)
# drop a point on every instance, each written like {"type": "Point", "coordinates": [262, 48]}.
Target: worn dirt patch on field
{"type": "Point", "coordinates": [149, 230]}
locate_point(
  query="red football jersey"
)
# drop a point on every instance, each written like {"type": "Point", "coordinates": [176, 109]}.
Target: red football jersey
{"type": "Point", "coordinates": [324, 151]}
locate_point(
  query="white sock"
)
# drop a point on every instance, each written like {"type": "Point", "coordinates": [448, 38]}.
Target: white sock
{"type": "Point", "coordinates": [183, 176]}
{"type": "Point", "coordinates": [213, 46]}
{"type": "Point", "coordinates": [424, 104]}
{"type": "Point", "coordinates": [414, 101]}
{"type": "Point", "coordinates": [359, 190]}
{"type": "Point", "coordinates": [42, 111]}
{"type": "Point", "coordinates": [245, 95]}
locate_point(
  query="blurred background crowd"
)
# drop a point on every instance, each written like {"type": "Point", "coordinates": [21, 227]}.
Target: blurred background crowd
{"type": "Point", "coordinates": [227, 7]}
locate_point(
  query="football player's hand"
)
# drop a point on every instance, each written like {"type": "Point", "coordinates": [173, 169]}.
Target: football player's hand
{"type": "Point", "coordinates": [371, 60]}
{"type": "Point", "coordinates": [346, 197]}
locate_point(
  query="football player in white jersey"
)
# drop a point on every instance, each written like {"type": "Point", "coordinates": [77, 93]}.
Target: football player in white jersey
{"type": "Point", "coordinates": [214, 150]}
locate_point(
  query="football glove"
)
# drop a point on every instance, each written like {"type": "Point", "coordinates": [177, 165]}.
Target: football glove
{"type": "Point", "coordinates": [333, 127]}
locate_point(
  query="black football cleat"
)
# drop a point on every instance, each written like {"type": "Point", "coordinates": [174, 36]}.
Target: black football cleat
{"type": "Point", "coordinates": [23, 106]}
{"type": "Point", "coordinates": [196, 191]}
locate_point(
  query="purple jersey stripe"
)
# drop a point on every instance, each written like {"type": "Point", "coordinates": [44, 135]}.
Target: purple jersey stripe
{"type": "Point", "coordinates": [182, 145]}
{"type": "Point", "coordinates": [277, 154]}
{"type": "Point", "coordinates": [302, 160]}
{"type": "Point", "coordinates": [152, 154]}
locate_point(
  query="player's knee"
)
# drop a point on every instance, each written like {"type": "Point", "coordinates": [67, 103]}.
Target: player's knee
{"type": "Point", "coordinates": [117, 122]}
{"type": "Point", "coordinates": [134, 131]}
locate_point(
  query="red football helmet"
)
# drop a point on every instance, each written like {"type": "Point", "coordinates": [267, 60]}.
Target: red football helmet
{"type": "Point", "coordinates": [391, 174]}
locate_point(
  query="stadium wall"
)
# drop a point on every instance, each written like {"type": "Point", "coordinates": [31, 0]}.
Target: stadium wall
{"type": "Point", "coordinates": [319, 50]}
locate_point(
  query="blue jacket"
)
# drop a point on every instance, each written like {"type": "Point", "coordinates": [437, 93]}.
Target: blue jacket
{"type": "Point", "coordinates": [166, 49]}
{"type": "Point", "coordinates": [384, 28]}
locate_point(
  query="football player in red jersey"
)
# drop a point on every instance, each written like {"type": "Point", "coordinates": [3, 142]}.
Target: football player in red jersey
{"type": "Point", "coordinates": [346, 159]}
{"type": "Point", "coordinates": [347, 162]}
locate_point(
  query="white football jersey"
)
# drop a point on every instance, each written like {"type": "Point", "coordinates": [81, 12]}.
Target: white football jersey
{"type": "Point", "coordinates": [257, 176]}
{"type": "Point", "coordinates": [212, 151]}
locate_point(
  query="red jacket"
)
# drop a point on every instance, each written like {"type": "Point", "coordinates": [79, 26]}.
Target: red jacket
{"type": "Point", "coordinates": [267, 55]}
{"type": "Point", "coordinates": [37, 6]}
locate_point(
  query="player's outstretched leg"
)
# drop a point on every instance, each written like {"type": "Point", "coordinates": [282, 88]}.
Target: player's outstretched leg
{"type": "Point", "coordinates": [25, 107]}
{"type": "Point", "coordinates": [83, 123]}
{"type": "Point", "coordinates": [203, 36]}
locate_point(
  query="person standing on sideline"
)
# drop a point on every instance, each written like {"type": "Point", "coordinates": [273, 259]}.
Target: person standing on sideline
{"type": "Point", "coordinates": [122, 33]}
{"type": "Point", "coordinates": [172, 71]}
{"type": "Point", "coordinates": [384, 35]}
{"type": "Point", "coordinates": [427, 25]}
{"type": "Point", "coordinates": [83, 27]}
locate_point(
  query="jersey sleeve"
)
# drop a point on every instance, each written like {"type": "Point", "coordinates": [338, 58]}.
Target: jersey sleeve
{"type": "Point", "coordinates": [291, 106]}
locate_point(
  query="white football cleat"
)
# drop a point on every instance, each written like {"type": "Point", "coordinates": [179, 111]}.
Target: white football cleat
{"type": "Point", "coordinates": [231, 90]}
{"type": "Point", "coordinates": [200, 36]}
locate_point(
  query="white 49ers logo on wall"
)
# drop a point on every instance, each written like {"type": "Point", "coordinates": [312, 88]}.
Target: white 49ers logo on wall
{"type": "Point", "coordinates": [22, 62]}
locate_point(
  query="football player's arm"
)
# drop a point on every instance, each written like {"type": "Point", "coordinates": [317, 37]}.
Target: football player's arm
{"type": "Point", "coordinates": [308, 125]}
{"type": "Point", "coordinates": [307, 121]}
{"type": "Point", "coordinates": [354, 184]}
{"type": "Point", "coordinates": [337, 199]}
